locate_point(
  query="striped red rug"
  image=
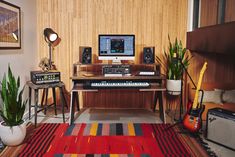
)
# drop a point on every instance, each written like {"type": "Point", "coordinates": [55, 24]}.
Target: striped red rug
{"type": "Point", "coordinates": [107, 140]}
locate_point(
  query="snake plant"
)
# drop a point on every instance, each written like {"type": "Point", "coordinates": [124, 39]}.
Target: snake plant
{"type": "Point", "coordinates": [174, 60]}
{"type": "Point", "coordinates": [13, 106]}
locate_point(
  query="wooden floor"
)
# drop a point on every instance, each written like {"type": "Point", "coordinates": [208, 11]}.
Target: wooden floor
{"type": "Point", "coordinates": [115, 116]}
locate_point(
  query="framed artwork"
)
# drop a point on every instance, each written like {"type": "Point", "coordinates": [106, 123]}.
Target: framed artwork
{"type": "Point", "coordinates": [10, 30]}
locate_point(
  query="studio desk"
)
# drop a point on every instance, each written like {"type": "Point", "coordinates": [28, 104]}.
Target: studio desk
{"type": "Point", "coordinates": [82, 81]}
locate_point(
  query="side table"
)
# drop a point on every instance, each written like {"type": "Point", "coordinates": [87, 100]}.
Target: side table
{"type": "Point", "coordinates": [36, 89]}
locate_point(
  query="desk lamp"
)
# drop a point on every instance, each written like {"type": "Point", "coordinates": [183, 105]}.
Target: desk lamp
{"type": "Point", "coordinates": [53, 40]}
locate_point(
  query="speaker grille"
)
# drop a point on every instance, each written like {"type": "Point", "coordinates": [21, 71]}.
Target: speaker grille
{"type": "Point", "coordinates": [148, 55]}
{"type": "Point", "coordinates": [85, 56]}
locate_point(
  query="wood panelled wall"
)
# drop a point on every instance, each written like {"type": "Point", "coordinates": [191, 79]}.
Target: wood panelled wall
{"type": "Point", "coordinates": [209, 12]}
{"type": "Point", "coordinates": [220, 69]}
{"type": "Point", "coordinates": [78, 23]}
{"type": "Point", "coordinates": [230, 11]}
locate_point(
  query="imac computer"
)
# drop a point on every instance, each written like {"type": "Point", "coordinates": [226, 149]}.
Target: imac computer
{"type": "Point", "coordinates": [116, 47]}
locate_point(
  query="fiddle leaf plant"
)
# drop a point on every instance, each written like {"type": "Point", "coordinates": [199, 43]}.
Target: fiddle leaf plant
{"type": "Point", "coordinates": [174, 61]}
{"type": "Point", "coordinates": [13, 106]}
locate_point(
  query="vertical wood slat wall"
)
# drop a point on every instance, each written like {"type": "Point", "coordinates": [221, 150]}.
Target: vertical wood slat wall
{"type": "Point", "coordinates": [209, 12]}
{"type": "Point", "coordinates": [78, 23]}
{"type": "Point", "coordinates": [230, 11]}
{"type": "Point", "coordinates": [221, 68]}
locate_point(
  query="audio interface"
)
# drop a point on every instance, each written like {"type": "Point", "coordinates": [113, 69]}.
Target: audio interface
{"type": "Point", "coordinates": [116, 69]}
{"type": "Point", "coordinates": [41, 77]}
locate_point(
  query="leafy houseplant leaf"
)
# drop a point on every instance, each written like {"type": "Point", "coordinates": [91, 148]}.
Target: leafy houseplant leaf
{"type": "Point", "coordinates": [13, 107]}
{"type": "Point", "coordinates": [171, 65]}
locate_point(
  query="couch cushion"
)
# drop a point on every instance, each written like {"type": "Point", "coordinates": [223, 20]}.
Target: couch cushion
{"type": "Point", "coordinates": [212, 96]}
{"type": "Point", "coordinates": [228, 96]}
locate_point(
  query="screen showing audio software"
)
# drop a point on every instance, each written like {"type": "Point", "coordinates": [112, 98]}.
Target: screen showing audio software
{"type": "Point", "coordinates": [116, 45]}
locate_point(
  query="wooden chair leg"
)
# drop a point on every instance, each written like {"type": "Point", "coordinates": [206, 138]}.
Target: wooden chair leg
{"type": "Point", "coordinates": [54, 99]}
{"type": "Point", "coordinates": [63, 102]}
{"type": "Point", "coordinates": [63, 95]}
{"type": "Point", "coordinates": [43, 97]}
{"type": "Point", "coordinates": [45, 105]}
{"type": "Point", "coordinates": [30, 92]}
{"type": "Point", "coordinates": [35, 107]}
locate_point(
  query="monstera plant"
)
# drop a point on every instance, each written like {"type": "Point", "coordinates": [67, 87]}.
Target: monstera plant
{"type": "Point", "coordinates": [12, 129]}
{"type": "Point", "coordinates": [174, 62]}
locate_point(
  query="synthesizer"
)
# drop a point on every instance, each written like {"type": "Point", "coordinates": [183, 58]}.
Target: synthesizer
{"type": "Point", "coordinates": [117, 84]}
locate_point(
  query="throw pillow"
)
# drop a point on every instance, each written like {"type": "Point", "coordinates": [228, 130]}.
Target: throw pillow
{"type": "Point", "coordinates": [211, 96]}
{"type": "Point", "coordinates": [229, 96]}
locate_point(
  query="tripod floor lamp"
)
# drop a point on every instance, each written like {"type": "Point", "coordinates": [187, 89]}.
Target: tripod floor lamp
{"type": "Point", "coordinates": [52, 38]}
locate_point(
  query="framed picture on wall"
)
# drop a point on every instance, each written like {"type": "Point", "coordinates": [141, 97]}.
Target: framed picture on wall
{"type": "Point", "coordinates": [10, 30]}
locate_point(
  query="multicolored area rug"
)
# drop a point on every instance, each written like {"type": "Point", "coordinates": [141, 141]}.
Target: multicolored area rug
{"type": "Point", "coordinates": [107, 140]}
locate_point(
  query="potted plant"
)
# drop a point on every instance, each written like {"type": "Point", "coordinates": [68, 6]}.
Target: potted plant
{"type": "Point", "coordinates": [12, 128]}
{"type": "Point", "coordinates": [173, 62]}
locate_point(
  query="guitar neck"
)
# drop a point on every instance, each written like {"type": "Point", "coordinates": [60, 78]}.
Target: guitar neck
{"type": "Point", "coordinates": [195, 102]}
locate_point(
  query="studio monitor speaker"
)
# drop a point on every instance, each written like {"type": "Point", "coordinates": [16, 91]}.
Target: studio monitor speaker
{"type": "Point", "coordinates": [149, 55]}
{"type": "Point", "coordinates": [85, 55]}
{"type": "Point", "coordinates": [221, 126]}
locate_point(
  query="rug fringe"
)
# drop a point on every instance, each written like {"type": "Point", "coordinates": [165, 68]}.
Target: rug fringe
{"type": "Point", "coordinates": [206, 146]}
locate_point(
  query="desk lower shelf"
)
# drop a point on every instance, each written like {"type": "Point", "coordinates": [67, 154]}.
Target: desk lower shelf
{"type": "Point", "coordinates": [155, 87]}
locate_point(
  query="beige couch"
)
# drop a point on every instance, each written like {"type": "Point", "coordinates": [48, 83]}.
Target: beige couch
{"type": "Point", "coordinates": [214, 93]}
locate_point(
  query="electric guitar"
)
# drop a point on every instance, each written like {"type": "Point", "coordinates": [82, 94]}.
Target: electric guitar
{"type": "Point", "coordinates": [192, 119]}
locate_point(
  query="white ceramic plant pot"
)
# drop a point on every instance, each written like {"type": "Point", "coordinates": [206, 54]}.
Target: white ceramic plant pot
{"type": "Point", "coordinates": [12, 136]}
{"type": "Point", "coordinates": [173, 87]}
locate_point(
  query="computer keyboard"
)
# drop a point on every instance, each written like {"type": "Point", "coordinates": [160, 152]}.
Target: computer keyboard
{"type": "Point", "coordinates": [119, 84]}
{"type": "Point", "coordinates": [147, 73]}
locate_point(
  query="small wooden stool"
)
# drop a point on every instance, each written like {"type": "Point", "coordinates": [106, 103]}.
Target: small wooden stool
{"type": "Point", "coordinates": [45, 87]}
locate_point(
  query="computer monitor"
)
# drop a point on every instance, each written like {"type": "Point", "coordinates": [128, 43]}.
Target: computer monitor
{"type": "Point", "coordinates": [116, 47]}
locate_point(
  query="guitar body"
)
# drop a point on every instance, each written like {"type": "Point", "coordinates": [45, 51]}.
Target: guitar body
{"type": "Point", "coordinates": [193, 118]}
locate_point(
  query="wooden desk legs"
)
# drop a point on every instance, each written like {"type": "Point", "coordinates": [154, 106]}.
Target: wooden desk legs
{"type": "Point", "coordinates": [155, 101]}
{"type": "Point", "coordinates": [161, 107]}
{"type": "Point", "coordinates": [158, 95]}
{"type": "Point", "coordinates": [74, 97]}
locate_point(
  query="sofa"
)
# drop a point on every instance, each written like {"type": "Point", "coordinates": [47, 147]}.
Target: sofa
{"type": "Point", "coordinates": [221, 95]}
